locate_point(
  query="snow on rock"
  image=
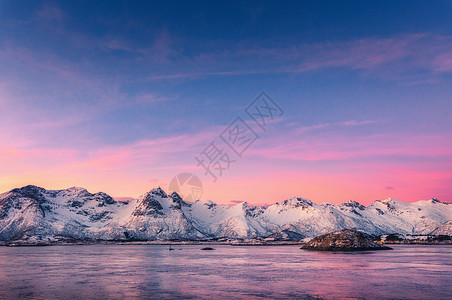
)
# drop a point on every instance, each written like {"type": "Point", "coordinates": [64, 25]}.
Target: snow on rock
{"type": "Point", "coordinates": [34, 214]}
{"type": "Point", "coordinates": [158, 216]}
{"type": "Point", "coordinates": [445, 229]}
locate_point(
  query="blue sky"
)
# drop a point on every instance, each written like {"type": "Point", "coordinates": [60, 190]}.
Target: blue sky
{"type": "Point", "coordinates": [120, 96]}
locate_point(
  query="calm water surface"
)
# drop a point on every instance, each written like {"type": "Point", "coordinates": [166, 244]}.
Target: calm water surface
{"type": "Point", "coordinates": [140, 271]}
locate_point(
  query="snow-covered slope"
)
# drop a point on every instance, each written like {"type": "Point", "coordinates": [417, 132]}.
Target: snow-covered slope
{"type": "Point", "coordinates": [445, 229]}
{"type": "Point", "coordinates": [35, 214]}
{"type": "Point", "coordinates": [159, 216]}
{"type": "Point", "coordinates": [236, 221]}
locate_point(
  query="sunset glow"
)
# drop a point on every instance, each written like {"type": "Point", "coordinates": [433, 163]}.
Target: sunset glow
{"type": "Point", "coordinates": [122, 103]}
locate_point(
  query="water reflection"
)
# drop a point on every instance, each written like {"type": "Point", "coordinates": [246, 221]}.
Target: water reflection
{"type": "Point", "coordinates": [137, 271]}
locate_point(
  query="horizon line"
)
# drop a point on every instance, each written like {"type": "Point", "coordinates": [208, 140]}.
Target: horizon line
{"type": "Point", "coordinates": [125, 198]}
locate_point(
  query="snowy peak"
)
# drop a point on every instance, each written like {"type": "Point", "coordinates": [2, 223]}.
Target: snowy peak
{"type": "Point", "coordinates": [297, 202]}
{"type": "Point", "coordinates": [176, 198]}
{"type": "Point", "coordinates": [33, 213]}
{"type": "Point", "coordinates": [149, 205]}
{"type": "Point", "coordinates": [390, 203]}
{"type": "Point", "coordinates": [242, 205]}
{"type": "Point", "coordinates": [103, 199]}
{"type": "Point", "coordinates": [353, 204]}
{"type": "Point", "coordinates": [159, 192]}
{"type": "Point", "coordinates": [76, 190]}
{"type": "Point", "coordinates": [207, 203]}
{"type": "Point", "coordinates": [436, 201]}
{"type": "Point", "coordinates": [178, 202]}
{"type": "Point", "coordinates": [29, 191]}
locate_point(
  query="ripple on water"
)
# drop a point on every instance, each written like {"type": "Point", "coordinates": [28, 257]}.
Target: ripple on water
{"type": "Point", "coordinates": [140, 271]}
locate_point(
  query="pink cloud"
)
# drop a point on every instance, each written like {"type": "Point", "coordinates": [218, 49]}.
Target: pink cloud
{"type": "Point", "coordinates": [442, 62]}
{"type": "Point", "coordinates": [50, 13]}
{"type": "Point", "coordinates": [150, 98]}
{"type": "Point", "coordinates": [310, 128]}
{"type": "Point", "coordinates": [131, 170]}
{"type": "Point", "coordinates": [327, 146]}
{"type": "Point", "coordinates": [162, 157]}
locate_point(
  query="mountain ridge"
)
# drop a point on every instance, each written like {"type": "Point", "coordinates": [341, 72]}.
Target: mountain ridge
{"type": "Point", "coordinates": [33, 213]}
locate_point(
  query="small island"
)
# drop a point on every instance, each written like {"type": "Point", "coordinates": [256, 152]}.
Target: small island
{"type": "Point", "coordinates": [344, 240]}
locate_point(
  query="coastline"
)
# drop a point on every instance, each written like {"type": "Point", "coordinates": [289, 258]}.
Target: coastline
{"type": "Point", "coordinates": [178, 243]}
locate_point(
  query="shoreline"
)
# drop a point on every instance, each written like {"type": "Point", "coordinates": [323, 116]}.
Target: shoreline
{"type": "Point", "coordinates": [159, 243]}
{"type": "Point", "coordinates": [180, 243]}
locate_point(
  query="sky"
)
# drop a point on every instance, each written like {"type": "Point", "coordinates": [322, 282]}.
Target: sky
{"type": "Point", "coordinates": [122, 96]}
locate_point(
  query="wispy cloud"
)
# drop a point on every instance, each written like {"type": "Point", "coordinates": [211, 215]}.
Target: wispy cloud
{"type": "Point", "coordinates": [151, 98]}
{"type": "Point", "coordinates": [50, 12]}
{"type": "Point", "coordinates": [391, 58]}
{"type": "Point", "coordinates": [167, 152]}
{"type": "Point", "coordinates": [334, 146]}
{"type": "Point", "coordinates": [130, 165]}
{"type": "Point", "coordinates": [414, 58]}
{"type": "Point", "coordinates": [350, 123]}
{"type": "Point", "coordinates": [442, 62]}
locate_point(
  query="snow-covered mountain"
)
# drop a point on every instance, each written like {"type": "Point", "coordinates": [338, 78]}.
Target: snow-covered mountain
{"type": "Point", "coordinates": [35, 214]}
{"type": "Point", "coordinates": [445, 229]}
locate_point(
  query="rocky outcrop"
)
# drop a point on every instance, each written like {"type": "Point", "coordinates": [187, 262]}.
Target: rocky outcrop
{"type": "Point", "coordinates": [344, 240]}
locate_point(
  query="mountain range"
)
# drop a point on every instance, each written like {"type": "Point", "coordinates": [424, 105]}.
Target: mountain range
{"type": "Point", "coordinates": [33, 214]}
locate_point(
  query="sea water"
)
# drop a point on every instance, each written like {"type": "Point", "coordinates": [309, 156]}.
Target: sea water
{"type": "Point", "coordinates": [247, 272]}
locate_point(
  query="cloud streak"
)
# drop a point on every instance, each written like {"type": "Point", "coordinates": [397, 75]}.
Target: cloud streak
{"type": "Point", "coordinates": [343, 147]}
{"type": "Point", "coordinates": [113, 107]}
{"type": "Point", "coordinates": [389, 58]}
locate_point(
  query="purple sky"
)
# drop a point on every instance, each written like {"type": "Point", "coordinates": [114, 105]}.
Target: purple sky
{"type": "Point", "coordinates": [120, 97]}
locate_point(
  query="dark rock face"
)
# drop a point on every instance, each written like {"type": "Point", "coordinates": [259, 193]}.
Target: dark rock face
{"type": "Point", "coordinates": [100, 216]}
{"type": "Point", "coordinates": [178, 201]}
{"type": "Point", "coordinates": [354, 204]}
{"type": "Point", "coordinates": [103, 199]}
{"type": "Point", "coordinates": [149, 206]}
{"type": "Point", "coordinates": [159, 192]}
{"type": "Point", "coordinates": [344, 240]}
{"type": "Point", "coordinates": [297, 202]}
